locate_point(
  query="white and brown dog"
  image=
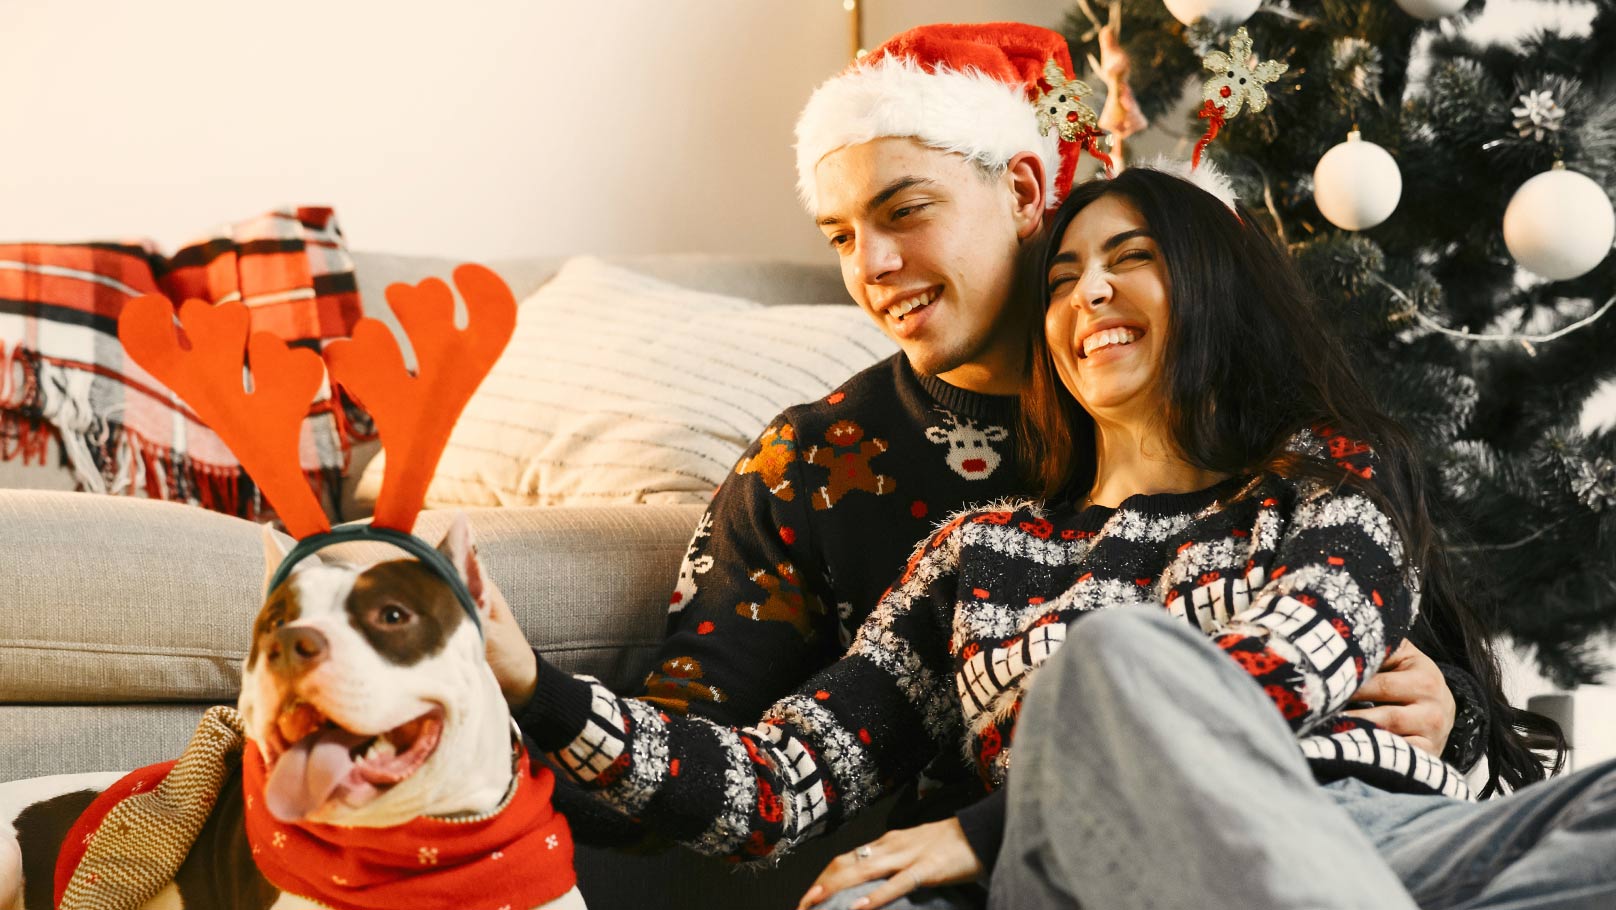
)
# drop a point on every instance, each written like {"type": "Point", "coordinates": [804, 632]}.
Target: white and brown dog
{"type": "Point", "coordinates": [373, 723]}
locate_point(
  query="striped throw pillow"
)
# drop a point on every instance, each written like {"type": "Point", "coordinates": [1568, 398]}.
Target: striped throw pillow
{"type": "Point", "coordinates": [619, 388]}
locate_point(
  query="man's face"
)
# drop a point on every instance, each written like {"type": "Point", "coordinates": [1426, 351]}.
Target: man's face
{"type": "Point", "coordinates": [928, 243]}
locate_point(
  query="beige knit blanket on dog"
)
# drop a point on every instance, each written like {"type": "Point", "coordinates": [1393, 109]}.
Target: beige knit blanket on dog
{"type": "Point", "coordinates": [139, 846]}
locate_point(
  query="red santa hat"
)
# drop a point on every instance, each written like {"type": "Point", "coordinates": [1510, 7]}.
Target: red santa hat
{"type": "Point", "coordinates": [987, 91]}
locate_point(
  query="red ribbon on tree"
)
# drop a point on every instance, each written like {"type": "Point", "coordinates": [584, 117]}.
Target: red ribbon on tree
{"type": "Point", "coordinates": [1214, 115]}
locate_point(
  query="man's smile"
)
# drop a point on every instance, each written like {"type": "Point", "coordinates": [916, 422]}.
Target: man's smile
{"type": "Point", "coordinates": [913, 302]}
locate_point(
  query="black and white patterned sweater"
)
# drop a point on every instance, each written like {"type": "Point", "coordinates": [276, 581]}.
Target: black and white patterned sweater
{"type": "Point", "coordinates": [1303, 586]}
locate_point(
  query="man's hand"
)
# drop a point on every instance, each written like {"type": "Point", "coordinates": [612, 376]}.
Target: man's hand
{"type": "Point", "coordinates": [909, 858]}
{"type": "Point", "coordinates": [509, 655]}
{"type": "Point", "coordinates": [1411, 699]}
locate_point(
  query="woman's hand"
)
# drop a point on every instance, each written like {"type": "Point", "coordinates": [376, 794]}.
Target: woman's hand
{"type": "Point", "coordinates": [910, 858]}
{"type": "Point", "coordinates": [509, 655]}
{"type": "Point", "coordinates": [1411, 699]}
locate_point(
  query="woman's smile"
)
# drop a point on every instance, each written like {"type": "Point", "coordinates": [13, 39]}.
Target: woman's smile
{"type": "Point", "coordinates": [1107, 340]}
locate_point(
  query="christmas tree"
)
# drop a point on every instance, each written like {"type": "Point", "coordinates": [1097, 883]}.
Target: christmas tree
{"type": "Point", "coordinates": [1488, 363]}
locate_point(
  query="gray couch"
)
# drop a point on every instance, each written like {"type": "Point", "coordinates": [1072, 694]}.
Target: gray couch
{"type": "Point", "coordinates": [124, 618]}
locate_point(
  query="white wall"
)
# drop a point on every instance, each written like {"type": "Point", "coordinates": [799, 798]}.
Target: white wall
{"type": "Point", "coordinates": [502, 127]}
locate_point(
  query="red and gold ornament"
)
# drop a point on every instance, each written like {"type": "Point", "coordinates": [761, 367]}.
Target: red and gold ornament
{"type": "Point", "coordinates": [1061, 109]}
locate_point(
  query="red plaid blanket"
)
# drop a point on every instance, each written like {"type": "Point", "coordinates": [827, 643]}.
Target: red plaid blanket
{"type": "Point", "coordinates": [63, 372]}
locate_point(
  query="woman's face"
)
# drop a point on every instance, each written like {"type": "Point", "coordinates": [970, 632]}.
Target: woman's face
{"type": "Point", "coordinates": [1108, 313]}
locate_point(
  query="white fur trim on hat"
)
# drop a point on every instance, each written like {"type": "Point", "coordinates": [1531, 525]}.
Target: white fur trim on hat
{"type": "Point", "coordinates": [962, 111]}
{"type": "Point", "coordinates": [1206, 176]}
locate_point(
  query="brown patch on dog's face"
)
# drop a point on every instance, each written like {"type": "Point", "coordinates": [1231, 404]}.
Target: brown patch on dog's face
{"type": "Point", "coordinates": [281, 608]}
{"type": "Point", "coordinates": [406, 613]}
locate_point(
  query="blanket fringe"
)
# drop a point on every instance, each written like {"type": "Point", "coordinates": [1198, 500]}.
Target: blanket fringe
{"type": "Point", "coordinates": [129, 462]}
{"type": "Point", "coordinates": [25, 435]}
{"type": "Point", "coordinates": [123, 462]}
{"type": "Point", "coordinates": [25, 438]}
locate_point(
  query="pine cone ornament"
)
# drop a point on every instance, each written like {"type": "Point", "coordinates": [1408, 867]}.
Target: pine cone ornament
{"type": "Point", "coordinates": [1595, 485]}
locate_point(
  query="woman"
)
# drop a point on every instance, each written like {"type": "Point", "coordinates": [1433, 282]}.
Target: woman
{"type": "Point", "coordinates": [1241, 542]}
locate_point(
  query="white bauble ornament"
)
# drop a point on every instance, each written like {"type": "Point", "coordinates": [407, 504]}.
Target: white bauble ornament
{"type": "Point", "coordinates": [1559, 224]}
{"type": "Point", "coordinates": [1220, 12]}
{"type": "Point", "coordinates": [1357, 184]}
{"type": "Point", "coordinates": [1431, 9]}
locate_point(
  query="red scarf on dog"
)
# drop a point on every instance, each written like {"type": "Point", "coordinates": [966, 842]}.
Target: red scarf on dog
{"type": "Point", "coordinates": [520, 857]}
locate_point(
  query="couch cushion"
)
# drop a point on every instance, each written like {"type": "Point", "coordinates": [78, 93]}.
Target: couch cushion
{"type": "Point", "coordinates": [109, 599]}
{"type": "Point", "coordinates": [620, 388]}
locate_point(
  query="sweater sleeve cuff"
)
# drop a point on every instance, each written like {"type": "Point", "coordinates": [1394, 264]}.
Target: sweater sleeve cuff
{"type": "Point", "coordinates": [558, 710]}
{"type": "Point", "coordinates": [983, 824]}
{"type": "Point", "coordinates": [1467, 741]}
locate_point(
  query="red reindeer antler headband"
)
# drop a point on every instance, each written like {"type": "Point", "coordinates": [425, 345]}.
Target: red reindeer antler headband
{"type": "Point", "coordinates": [414, 414]}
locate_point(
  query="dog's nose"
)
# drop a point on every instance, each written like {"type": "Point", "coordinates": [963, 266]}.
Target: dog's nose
{"type": "Point", "coordinates": [294, 650]}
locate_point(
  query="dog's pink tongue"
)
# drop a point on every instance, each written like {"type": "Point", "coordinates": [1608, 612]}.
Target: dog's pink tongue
{"type": "Point", "coordinates": [308, 773]}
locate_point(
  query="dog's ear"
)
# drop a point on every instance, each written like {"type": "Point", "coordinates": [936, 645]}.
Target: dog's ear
{"type": "Point", "coordinates": [275, 552]}
{"type": "Point", "coordinates": [462, 554]}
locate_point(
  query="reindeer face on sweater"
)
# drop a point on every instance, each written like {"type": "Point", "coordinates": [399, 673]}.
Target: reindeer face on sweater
{"type": "Point", "coordinates": [970, 448]}
{"type": "Point", "coordinates": [367, 691]}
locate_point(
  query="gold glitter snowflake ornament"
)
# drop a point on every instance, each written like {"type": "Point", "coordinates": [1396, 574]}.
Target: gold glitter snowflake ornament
{"type": "Point", "coordinates": [1238, 82]}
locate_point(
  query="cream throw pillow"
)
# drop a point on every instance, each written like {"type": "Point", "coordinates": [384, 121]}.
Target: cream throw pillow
{"type": "Point", "coordinates": [619, 388]}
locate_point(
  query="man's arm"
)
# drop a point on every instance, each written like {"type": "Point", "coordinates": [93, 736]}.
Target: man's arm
{"type": "Point", "coordinates": [846, 737]}
{"type": "Point", "coordinates": [745, 623]}
{"type": "Point", "coordinates": [747, 619]}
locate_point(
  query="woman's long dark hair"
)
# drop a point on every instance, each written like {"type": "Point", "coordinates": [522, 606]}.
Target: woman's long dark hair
{"type": "Point", "coordinates": [1249, 362]}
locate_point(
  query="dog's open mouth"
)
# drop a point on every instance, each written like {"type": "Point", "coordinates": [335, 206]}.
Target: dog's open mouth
{"type": "Point", "coordinates": [313, 761]}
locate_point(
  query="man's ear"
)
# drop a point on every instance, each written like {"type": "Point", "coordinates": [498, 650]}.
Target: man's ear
{"type": "Point", "coordinates": [462, 554]}
{"type": "Point", "coordinates": [1025, 172]}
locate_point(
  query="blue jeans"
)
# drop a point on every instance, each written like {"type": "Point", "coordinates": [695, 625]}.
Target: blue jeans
{"type": "Point", "coordinates": [1149, 772]}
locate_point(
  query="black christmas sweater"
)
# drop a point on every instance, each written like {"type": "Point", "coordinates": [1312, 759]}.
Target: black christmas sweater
{"type": "Point", "coordinates": [1302, 585]}
{"type": "Point", "coordinates": [812, 526]}
{"type": "Point", "coordinates": [800, 541]}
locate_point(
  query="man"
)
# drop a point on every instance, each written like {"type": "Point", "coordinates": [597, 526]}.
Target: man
{"type": "Point", "coordinates": [925, 167]}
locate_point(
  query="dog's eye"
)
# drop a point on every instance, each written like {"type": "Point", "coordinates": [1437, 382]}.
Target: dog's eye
{"type": "Point", "coordinates": [393, 615]}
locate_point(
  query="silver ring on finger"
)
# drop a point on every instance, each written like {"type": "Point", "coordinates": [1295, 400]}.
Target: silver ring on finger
{"type": "Point", "coordinates": [862, 853]}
